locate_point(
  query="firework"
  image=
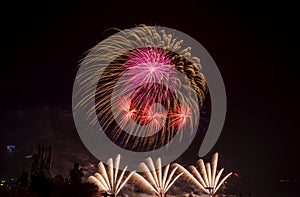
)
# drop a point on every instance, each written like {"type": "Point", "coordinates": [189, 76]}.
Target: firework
{"type": "Point", "coordinates": [205, 177]}
{"type": "Point", "coordinates": [144, 95]}
{"type": "Point", "coordinates": [107, 179]}
{"type": "Point", "coordinates": [180, 116]}
{"type": "Point", "coordinates": [156, 179]}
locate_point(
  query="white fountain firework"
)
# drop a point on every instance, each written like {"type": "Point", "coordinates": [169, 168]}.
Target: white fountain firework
{"type": "Point", "coordinates": [156, 179]}
{"type": "Point", "coordinates": [107, 179]}
{"type": "Point", "coordinates": [205, 177]}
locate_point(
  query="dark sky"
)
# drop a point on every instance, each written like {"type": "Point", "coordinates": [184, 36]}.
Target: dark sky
{"type": "Point", "coordinates": [254, 44]}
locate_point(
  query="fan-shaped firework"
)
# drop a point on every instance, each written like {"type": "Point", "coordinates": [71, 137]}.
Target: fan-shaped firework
{"type": "Point", "coordinates": [138, 100]}
{"type": "Point", "coordinates": [107, 179]}
{"type": "Point", "coordinates": [206, 176]}
{"type": "Point", "coordinates": [156, 179]}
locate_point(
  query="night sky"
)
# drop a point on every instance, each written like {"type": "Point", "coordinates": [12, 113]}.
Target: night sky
{"type": "Point", "coordinates": [255, 46]}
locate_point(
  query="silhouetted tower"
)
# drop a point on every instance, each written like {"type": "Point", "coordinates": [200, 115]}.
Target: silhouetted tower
{"type": "Point", "coordinates": [41, 156]}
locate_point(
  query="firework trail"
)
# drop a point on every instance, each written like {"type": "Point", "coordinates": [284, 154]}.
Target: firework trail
{"type": "Point", "coordinates": [138, 100]}
{"type": "Point", "coordinates": [205, 177]}
{"type": "Point", "coordinates": [107, 179]}
{"type": "Point", "coordinates": [156, 179]}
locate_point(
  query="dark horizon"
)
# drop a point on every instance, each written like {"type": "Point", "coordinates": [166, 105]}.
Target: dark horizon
{"type": "Point", "coordinates": [254, 45]}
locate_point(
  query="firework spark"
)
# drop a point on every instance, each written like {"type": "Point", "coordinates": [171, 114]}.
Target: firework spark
{"type": "Point", "coordinates": [205, 177]}
{"type": "Point", "coordinates": [156, 179]}
{"type": "Point", "coordinates": [180, 116]}
{"type": "Point", "coordinates": [107, 179]}
{"type": "Point", "coordinates": [127, 112]}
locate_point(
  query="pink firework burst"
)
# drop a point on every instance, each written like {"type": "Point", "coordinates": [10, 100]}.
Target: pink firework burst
{"type": "Point", "coordinates": [150, 65]}
{"type": "Point", "coordinates": [148, 55]}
